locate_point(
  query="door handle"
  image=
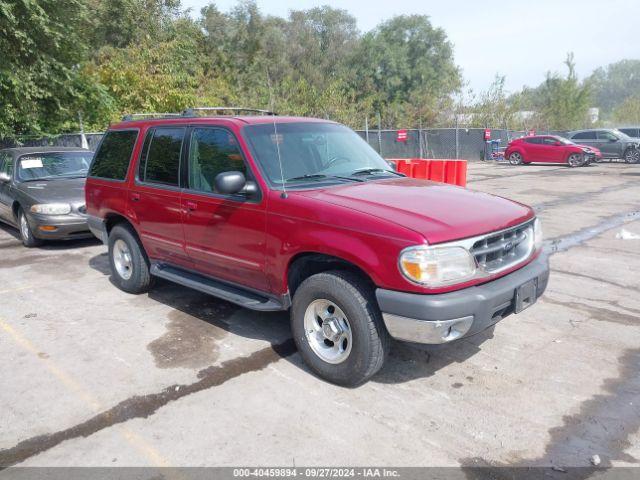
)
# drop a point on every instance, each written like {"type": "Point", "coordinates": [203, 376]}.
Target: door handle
{"type": "Point", "coordinates": [135, 197]}
{"type": "Point", "coordinates": [191, 206]}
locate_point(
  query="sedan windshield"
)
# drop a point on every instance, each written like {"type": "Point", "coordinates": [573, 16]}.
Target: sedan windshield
{"type": "Point", "coordinates": [53, 165]}
{"type": "Point", "coordinates": [314, 152]}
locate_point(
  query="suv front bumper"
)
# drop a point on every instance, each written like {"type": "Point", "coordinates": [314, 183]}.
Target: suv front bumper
{"type": "Point", "coordinates": [449, 316]}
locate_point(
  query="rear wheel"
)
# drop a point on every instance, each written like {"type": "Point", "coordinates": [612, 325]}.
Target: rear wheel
{"type": "Point", "coordinates": [129, 264]}
{"type": "Point", "coordinates": [338, 327]}
{"type": "Point", "coordinates": [631, 155]}
{"type": "Point", "coordinates": [515, 158]}
{"type": "Point", "coordinates": [576, 160]}
{"type": "Point", "coordinates": [26, 234]}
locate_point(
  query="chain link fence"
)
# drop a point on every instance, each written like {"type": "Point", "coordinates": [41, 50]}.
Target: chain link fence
{"type": "Point", "coordinates": [463, 143]}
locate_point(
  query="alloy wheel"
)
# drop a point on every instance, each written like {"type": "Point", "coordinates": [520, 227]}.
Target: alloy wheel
{"type": "Point", "coordinates": [328, 331]}
{"type": "Point", "coordinates": [122, 259]}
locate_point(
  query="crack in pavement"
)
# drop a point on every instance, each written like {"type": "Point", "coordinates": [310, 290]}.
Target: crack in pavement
{"type": "Point", "coordinates": [142, 406]}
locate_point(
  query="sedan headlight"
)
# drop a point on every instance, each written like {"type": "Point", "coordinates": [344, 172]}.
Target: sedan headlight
{"type": "Point", "coordinates": [537, 234]}
{"type": "Point", "coordinates": [437, 266]}
{"type": "Point", "coordinates": [51, 208]}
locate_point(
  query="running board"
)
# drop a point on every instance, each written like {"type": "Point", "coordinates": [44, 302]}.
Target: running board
{"type": "Point", "coordinates": [218, 289]}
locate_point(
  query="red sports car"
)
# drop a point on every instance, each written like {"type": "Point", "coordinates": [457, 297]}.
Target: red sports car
{"type": "Point", "coordinates": [550, 149]}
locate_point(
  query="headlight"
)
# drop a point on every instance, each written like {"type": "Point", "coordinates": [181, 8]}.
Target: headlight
{"type": "Point", "coordinates": [437, 266]}
{"type": "Point", "coordinates": [51, 208]}
{"type": "Point", "coordinates": [537, 234]}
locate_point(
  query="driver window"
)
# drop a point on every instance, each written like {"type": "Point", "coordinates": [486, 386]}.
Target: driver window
{"type": "Point", "coordinates": [602, 135]}
{"type": "Point", "coordinates": [212, 151]}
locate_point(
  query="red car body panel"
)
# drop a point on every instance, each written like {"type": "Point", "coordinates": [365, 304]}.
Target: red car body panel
{"type": "Point", "coordinates": [546, 153]}
{"type": "Point", "coordinates": [253, 243]}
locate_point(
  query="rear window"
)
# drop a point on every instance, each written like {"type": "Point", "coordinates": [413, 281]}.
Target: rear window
{"type": "Point", "coordinates": [160, 161]}
{"type": "Point", "coordinates": [112, 158]}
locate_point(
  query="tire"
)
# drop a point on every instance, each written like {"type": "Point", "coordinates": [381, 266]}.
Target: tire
{"type": "Point", "coordinates": [129, 263]}
{"type": "Point", "coordinates": [515, 158]}
{"type": "Point", "coordinates": [354, 302]}
{"type": "Point", "coordinates": [576, 160]}
{"type": "Point", "coordinates": [631, 155]}
{"type": "Point", "coordinates": [26, 234]}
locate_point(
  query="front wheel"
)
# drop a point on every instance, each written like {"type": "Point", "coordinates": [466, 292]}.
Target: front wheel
{"type": "Point", "coordinates": [338, 327]}
{"type": "Point", "coordinates": [26, 234]}
{"type": "Point", "coordinates": [576, 160]}
{"type": "Point", "coordinates": [129, 264]}
{"type": "Point", "coordinates": [515, 159]}
{"type": "Point", "coordinates": [631, 155]}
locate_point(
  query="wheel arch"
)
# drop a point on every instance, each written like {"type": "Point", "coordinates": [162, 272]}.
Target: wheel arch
{"type": "Point", "coordinates": [305, 264]}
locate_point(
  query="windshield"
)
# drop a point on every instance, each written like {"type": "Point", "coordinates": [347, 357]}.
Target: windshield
{"type": "Point", "coordinates": [313, 152]}
{"type": "Point", "coordinates": [620, 134]}
{"type": "Point", "coordinates": [53, 165]}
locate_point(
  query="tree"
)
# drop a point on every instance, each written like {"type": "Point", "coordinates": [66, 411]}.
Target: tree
{"type": "Point", "coordinates": [40, 85]}
{"type": "Point", "coordinates": [564, 102]}
{"type": "Point", "coordinates": [405, 58]}
{"type": "Point", "coordinates": [628, 112]}
{"type": "Point", "coordinates": [614, 84]}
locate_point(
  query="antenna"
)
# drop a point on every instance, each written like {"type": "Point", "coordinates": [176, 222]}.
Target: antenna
{"type": "Point", "coordinates": [276, 139]}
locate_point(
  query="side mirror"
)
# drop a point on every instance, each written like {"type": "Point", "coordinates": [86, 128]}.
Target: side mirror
{"type": "Point", "coordinates": [229, 183]}
{"type": "Point", "coordinates": [557, 144]}
{"type": "Point", "coordinates": [4, 177]}
{"type": "Point", "coordinates": [613, 140]}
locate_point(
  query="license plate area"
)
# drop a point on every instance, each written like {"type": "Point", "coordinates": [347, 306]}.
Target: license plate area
{"type": "Point", "coordinates": [526, 295]}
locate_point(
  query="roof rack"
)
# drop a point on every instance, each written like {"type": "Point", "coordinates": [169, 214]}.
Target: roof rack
{"type": "Point", "coordinates": [194, 111]}
{"type": "Point", "coordinates": [139, 116]}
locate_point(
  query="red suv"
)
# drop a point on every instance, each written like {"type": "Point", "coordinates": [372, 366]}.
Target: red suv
{"type": "Point", "coordinates": [300, 214]}
{"type": "Point", "coordinates": [550, 149]}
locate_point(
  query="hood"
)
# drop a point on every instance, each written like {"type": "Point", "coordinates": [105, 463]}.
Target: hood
{"type": "Point", "coordinates": [438, 211]}
{"type": "Point", "coordinates": [55, 191]}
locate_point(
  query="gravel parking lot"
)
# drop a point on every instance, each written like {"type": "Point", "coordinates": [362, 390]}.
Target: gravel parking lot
{"type": "Point", "coordinates": [92, 376]}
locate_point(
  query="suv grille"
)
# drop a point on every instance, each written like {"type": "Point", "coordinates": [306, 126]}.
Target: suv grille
{"type": "Point", "coordinates": [500, 250]}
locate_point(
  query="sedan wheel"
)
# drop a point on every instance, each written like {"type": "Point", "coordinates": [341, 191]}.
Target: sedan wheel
{"type": "Point", "coordinates": [515, 158]}
{"type": "Point", "coordinates": [575, 160]}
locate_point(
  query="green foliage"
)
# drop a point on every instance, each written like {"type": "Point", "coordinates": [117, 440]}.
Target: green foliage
{"type": "Point", "coordinates": [41, 44]}
{"type": "Point", "coordinates": [614, 84]}
{"type": "Point", "coordinates": [628, 112]}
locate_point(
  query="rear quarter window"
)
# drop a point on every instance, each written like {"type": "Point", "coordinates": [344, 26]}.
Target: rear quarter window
{"type": "Point", "coordinates": [112, 159]}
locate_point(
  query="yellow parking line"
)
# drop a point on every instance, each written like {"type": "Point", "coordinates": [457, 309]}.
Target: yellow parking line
{"type": "Point", "coordinates": [17, 289]}
{"type": "Point", "coordinates": [133, 438]}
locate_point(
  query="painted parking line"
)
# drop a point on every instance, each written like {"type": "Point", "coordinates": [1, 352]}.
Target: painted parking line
{"type": "Point", "coordinates": [79, 391]}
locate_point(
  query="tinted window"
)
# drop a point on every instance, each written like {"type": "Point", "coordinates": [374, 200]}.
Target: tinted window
{"type": "Point", "coordinates": [162, 163]}
{"type": "Point", "coordinates": [533, 140]}
{"type": "Point", "coordinates": [212, 151]}
{"type": "Point", "coordinates": [604, 135]}
{"type": "Point", "coordinates": [584, 136]}
{"type": "Point", "coordinates": [549, 141]}
{"type": "Point", "coordinates": [112, 158]}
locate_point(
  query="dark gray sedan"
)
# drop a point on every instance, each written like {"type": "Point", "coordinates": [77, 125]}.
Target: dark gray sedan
{"type": "Point", "coordinates": [42, 192]}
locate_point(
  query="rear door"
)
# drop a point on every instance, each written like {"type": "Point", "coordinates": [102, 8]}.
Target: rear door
{"type": "Point", "coordinates": [225, 234]}
{"type": "Point", "coordinates": [155, 195]}
{"type": "Point", "coordinates": [532, 147]}
{"type": "Point", "coordinates": [608, 143]}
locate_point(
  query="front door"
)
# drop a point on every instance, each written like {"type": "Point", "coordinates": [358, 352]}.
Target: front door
{"type": "Point", "coordinates": [609, 144]}
{"type": "Point", "coordinates": [6, 200]}
{"type": "Point", "coordinates": [551, 152]}
{"type": "Point", "coordinates": [225, 234]}
{"type": "Point", "coordinates": [154, 198]}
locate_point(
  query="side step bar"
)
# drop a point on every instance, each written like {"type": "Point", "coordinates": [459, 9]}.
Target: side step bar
{"type": "Point", "coordinates": [218, 289]}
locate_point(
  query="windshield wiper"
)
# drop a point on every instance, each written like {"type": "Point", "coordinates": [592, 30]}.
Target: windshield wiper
{"type": "Point", "coordinates": [314, 176]}
{"type": "Point", "coordinates": [369, 171]}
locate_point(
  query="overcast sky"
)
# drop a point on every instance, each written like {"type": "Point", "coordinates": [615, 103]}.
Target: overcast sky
{"type": "Point", "coordinates": [519, 39]}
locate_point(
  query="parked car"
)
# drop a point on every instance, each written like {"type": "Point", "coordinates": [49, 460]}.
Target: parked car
{"type": "Point", "coordinates": [42, 192]}
{"type": "Point", "coordinates": [300, 214]}
{"type": "Point", "coordinates": [550, 149]}
{"type": "Point", "coordinates": [611, 143]}
{"type": "Point", "coordinates": [633, 132]}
